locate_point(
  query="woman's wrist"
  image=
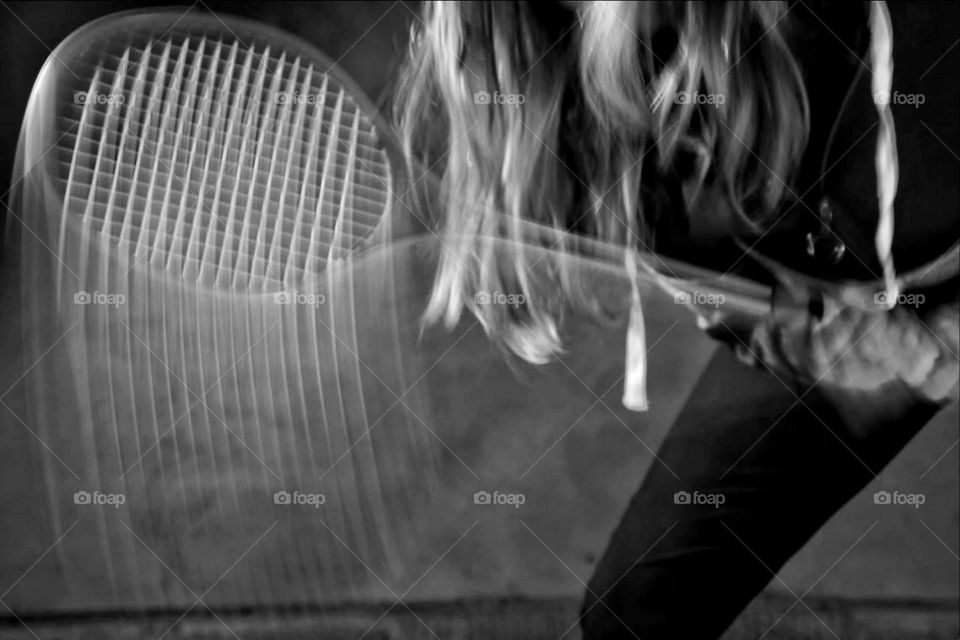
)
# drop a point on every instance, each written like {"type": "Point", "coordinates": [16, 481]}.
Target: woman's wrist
{"type": "Point", "coordinates": [849, 349]}
{"type": "Point", "coordinates": [933, 371]}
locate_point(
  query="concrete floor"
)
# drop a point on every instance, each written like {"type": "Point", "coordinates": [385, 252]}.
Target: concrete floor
{"type": "Point", "coordinates": [770, 617]}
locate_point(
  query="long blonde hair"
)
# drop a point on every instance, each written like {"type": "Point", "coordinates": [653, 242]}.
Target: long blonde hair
{"type": "Point", "coordinates": [540, 113]}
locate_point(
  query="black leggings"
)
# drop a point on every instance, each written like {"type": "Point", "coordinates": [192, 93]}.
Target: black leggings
{"type": "Point", "coordinates": [678, 571]}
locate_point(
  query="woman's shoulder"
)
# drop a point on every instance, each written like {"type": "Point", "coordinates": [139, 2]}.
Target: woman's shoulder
{"type": "Point", "coordinates": [924, 104]}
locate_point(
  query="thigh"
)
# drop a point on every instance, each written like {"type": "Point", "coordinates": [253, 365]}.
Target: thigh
{"type": "Point", "coordinates": [745, 477]}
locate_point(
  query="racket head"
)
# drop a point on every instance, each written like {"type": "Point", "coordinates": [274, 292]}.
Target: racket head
{"type": "Point", "coordinates": [205, 311]}
{"type": "Point", "coordinates": [206, 147]}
